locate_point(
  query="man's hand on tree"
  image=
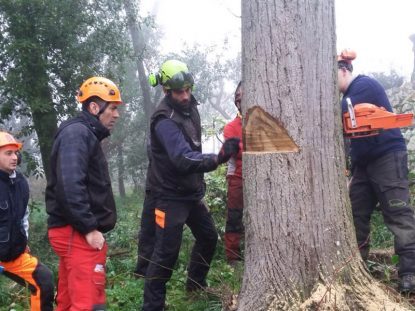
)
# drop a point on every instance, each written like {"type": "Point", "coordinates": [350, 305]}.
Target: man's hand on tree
{"type": "Point", "coordinates": [229, 148]}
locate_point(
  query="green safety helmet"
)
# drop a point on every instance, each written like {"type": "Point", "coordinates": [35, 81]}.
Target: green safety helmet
{"type": "Point", "coordinates": [173, 75]}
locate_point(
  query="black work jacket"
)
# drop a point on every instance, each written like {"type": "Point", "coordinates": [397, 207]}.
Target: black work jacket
{"type": "Point", "coordinates": [79, 189]}
{"type": "Point", "coordinates": [179, 178]}
{"type": "Point", "coordinates": [14, 197]}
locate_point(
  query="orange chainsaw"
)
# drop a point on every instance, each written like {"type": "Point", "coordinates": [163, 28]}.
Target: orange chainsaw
{"type": "Point", "coordinates": [364, 120]}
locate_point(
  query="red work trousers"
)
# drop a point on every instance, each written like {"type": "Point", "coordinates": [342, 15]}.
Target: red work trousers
{"type": "Point", "coordinates": [234, 213]}
{"type": "Point", "coordinates": [81, 276]}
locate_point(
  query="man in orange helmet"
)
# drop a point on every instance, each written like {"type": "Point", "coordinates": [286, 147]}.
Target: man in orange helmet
{"type": "Point", "coordinates": [380, 174]}
{"type": "Point", "coordinates": [15, 258]}
{"type": "Point", "coordinates": [79, 199]}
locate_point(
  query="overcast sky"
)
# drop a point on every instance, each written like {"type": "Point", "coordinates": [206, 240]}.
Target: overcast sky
{"type": "Point", "coordinates": [378, 30]}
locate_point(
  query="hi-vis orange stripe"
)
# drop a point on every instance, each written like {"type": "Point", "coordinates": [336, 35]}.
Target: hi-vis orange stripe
{"type": "Point", "coordinates": [24, 267]}
{"type": "Point", "coordinates": [160, 218]}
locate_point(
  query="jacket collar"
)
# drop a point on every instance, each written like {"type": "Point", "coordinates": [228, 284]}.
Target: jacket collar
{"type": "Point", "coordinates": [7, 177]}
{"type": "Point", "coordinates": [4, 176]}
{"type": "Point", "coordinates": [95, 125]}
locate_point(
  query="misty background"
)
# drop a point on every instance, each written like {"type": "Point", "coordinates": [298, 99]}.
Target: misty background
{"type": "Point", "coordinates": [125, 40]}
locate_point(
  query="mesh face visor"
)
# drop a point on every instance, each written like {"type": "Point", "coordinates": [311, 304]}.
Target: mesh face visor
{"type": "Point", "coordinates": [179, 81]}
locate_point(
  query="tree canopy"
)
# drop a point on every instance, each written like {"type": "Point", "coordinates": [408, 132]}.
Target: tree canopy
{"type": "Point", "coordinates": [47, 49]}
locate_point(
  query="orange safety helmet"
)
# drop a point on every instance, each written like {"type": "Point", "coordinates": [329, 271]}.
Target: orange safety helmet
{"type": "Point", "coordinates": [8, 140]}
{"type": "Point", "coordinates": [347, 56]}
{"type": "Point", "coordinates": [100, 87]}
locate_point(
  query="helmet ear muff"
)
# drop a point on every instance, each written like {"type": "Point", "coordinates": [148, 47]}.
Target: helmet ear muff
{"type": "Point", "coordinates": [154, 79]}
{"type": "Point", "coordinates": [19, 157]}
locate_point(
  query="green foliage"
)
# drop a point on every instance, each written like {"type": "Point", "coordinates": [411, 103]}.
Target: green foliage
{"type": "Point", "coordinates": [47, 49]}
{"type": "Point", "coordinates": [215, 197]}
{"type": "Point", "coordinates": [124, 291]}
{"type": "Point", "coordinates": [388, 80]}
{"type": "Point", "coordinates": [31, 165]}
{"type": "Point", "coordinates": [88, 38]}
{"type": "Point", "coordinates": [381, 237]}
{"type": "Point", "coordinates": [395, 259]}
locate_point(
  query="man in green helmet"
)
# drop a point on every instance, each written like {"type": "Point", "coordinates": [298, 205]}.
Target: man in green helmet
{"type": "Point", "coordinates": [175, 182]}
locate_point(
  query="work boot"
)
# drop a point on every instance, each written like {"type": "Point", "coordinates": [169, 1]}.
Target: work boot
{"type": "Point", "coordinates": [407, 283]}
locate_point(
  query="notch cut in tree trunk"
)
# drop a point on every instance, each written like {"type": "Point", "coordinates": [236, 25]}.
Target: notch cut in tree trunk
{"type": "Point", "coordinates": [300, 245]}
{"type": "Point", "coordinates": [265, 134]}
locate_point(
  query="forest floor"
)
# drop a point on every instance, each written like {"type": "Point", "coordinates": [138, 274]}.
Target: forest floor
{"type": "Point", "coordinates": [385, 271]}
{"type": "Point", "coordinates": [125, 292]}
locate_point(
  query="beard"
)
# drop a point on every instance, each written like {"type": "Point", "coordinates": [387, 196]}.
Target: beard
{"type": "Point", "coordinates": [182, 105]}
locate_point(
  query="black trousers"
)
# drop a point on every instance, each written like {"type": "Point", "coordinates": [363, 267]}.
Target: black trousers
{"type": "Point", "coordinates": [147, 234]}
{"type": "Point", "coordinates": [385, 181]}
{"type": "Point", "coordinates": [170, 218]}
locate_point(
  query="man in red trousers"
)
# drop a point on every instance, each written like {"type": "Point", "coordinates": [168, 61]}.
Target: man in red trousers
{"type": "Point", "coordinates": [234, 226]}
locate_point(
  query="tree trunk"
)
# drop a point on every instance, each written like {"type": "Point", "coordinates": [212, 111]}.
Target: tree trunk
{"type": "Point", "coordinates": [45, 123]}
{"type": "Point", "coordinates": [216, 101]}
{"type": "Point", "coordinates": [412, 38]}
{"type": "Point", "coordinates": [139, 46]}
{"type": "Point", "coordinates": [42, 109]}
{"type": "Point", "coordinates": [301, 250]}
{"type": "Point", "coordinates": [121, 175]}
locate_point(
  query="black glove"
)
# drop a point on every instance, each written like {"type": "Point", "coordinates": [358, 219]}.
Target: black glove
{"type": "Point", "coordinates": [229, 148]}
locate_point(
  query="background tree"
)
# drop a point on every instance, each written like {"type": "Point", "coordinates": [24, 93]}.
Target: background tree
{"type": "Point", "coordinates": [301, 249]}
{"type": "Point", "coordinates": [214, 74]}
{"type": "Point", "coordinates": [42, 66]}
{"type": "Point", "coordinates": [47, 48]}
{"type": "Point", "coordinates": [388, 80]}
{"type": "Point", "coordinates": [216, 77]}
{"type": "Point", "coordinates": [402, 99]}
{"type": "Point", "coordinates": [141, 34]}
{"type": "Point", "coordinates": [412, 38]}
{"type": "Point", "coordinates": [126, 149]}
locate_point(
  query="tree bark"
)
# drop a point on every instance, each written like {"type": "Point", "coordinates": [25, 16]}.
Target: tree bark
{"type": "Point", "coordinates": [121, 171]}
{"type": "Point", "coordinates": [412, 38]}
{"type": "Point", "coordinates": [139, 47]}
{"type": "Point", "coordinates": [301, 251]}
{"type": "Point", "coordinates": [41, 105]}
{"type": "Point", "coordinates": [45, 123]}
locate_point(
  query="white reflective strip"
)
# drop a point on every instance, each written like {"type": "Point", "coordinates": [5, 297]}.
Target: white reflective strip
{"type": "Point", "coordinates": [196, 160]}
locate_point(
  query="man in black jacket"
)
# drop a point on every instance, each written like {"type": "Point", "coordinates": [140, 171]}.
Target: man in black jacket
{"type": "Point", "coordinates": [175, 181]}
{"type": "Point", "coordinates": [15, 259]}
{"type": "Point", "coordinates": [79, 199]}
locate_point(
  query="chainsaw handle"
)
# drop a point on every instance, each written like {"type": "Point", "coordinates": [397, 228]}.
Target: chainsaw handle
{"type": "Point", "coordinates": [351, 112]}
